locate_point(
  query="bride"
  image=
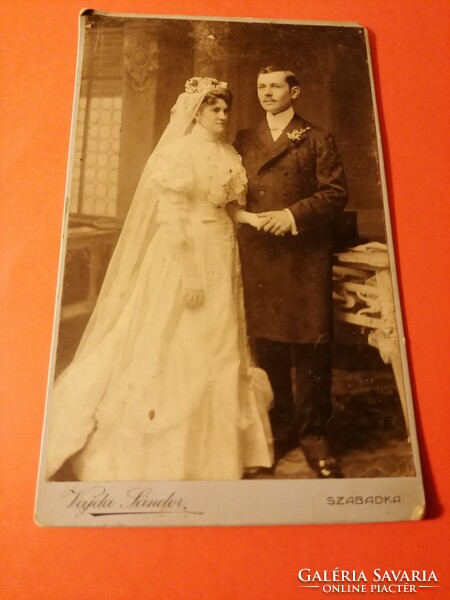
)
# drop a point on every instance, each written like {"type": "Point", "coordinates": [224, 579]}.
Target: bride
{"type": "Point", "coordinates": [162, 386]}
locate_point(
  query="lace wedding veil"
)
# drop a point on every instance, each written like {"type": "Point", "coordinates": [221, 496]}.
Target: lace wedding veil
{"type": "Point", "coordinates": [140, 224]}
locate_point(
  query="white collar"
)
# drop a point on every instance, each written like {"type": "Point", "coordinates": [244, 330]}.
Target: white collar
{"type": "Point", "coordinates": [280, 121]}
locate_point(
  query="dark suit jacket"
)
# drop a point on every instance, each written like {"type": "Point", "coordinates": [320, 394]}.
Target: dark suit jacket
{"type": "Point", "coordinates": [288, 279]}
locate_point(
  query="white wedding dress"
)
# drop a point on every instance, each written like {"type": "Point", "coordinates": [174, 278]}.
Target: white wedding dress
{"type": "Point", "coordinates": [171, 391]}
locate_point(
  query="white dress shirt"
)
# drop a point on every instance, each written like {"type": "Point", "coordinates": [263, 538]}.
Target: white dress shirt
{"type": "Point", "coordinates": [278, 123]}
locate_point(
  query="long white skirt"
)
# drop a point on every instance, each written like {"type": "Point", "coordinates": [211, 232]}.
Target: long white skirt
{"type": "Point", "coordinates": [170, 393]}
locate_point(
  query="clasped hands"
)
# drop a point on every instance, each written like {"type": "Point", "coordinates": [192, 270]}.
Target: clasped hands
{"type": "Point", "coordinates": [277, 222]}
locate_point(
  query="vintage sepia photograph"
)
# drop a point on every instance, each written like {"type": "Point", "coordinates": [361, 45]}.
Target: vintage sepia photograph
{"type": "Point", "coordinates": [228, 344]}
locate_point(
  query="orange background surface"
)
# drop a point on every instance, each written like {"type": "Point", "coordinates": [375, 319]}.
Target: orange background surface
{"type": "Point", "coordinates": [410, 45]}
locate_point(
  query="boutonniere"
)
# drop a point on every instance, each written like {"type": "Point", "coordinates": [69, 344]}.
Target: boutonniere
{"type": "Point", "coordinates": [296, 134]}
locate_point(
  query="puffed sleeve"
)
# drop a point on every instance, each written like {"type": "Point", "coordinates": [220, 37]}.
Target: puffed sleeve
{"type": "Point", "coordinates": [173, 178]}
{"type": "Point", "coordinates": [172, 169]}
{"type": "Point", "coordinates": [238, 182]}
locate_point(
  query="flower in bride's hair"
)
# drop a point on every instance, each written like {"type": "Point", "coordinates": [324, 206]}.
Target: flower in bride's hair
{"type": "Point", "coordinates": [197, 85]}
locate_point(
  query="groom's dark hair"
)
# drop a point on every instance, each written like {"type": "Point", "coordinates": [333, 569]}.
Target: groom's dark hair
{"type": "Point", "coordinates": [291, 79]}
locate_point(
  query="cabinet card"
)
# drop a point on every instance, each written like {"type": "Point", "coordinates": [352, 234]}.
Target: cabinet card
{"type": "Point", "coordinates": [228, 345]}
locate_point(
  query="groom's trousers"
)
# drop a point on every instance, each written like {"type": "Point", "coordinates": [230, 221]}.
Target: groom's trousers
{"type": "Point", "coordinates": [300, 375]}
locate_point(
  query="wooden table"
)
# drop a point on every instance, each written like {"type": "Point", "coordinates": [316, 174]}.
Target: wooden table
{"type": "Point", "coordinates": [91, 247]}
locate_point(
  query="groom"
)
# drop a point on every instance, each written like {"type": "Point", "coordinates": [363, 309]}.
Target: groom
{"type": "Point", "coordinates": [297, 186]}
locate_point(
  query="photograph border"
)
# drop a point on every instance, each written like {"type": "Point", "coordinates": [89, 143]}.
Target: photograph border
{"type": "Point", "coordinates": [201, 503]}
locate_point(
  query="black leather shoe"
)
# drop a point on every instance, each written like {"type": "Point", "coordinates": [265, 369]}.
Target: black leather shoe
{"type": "Point", "coordinates": [327, 468]}
{"type": "Point", "coordinates": [319, 457]}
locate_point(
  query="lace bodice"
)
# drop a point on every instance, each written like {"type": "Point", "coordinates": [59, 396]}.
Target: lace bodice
{"type": "Point", "coordinates": [195, 178]}
{"type": "Point", "coordinates": [196, 171]}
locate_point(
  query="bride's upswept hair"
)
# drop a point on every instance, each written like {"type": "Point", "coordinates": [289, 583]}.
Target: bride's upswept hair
{"type": "Point", "coordinates": [219, 93]}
